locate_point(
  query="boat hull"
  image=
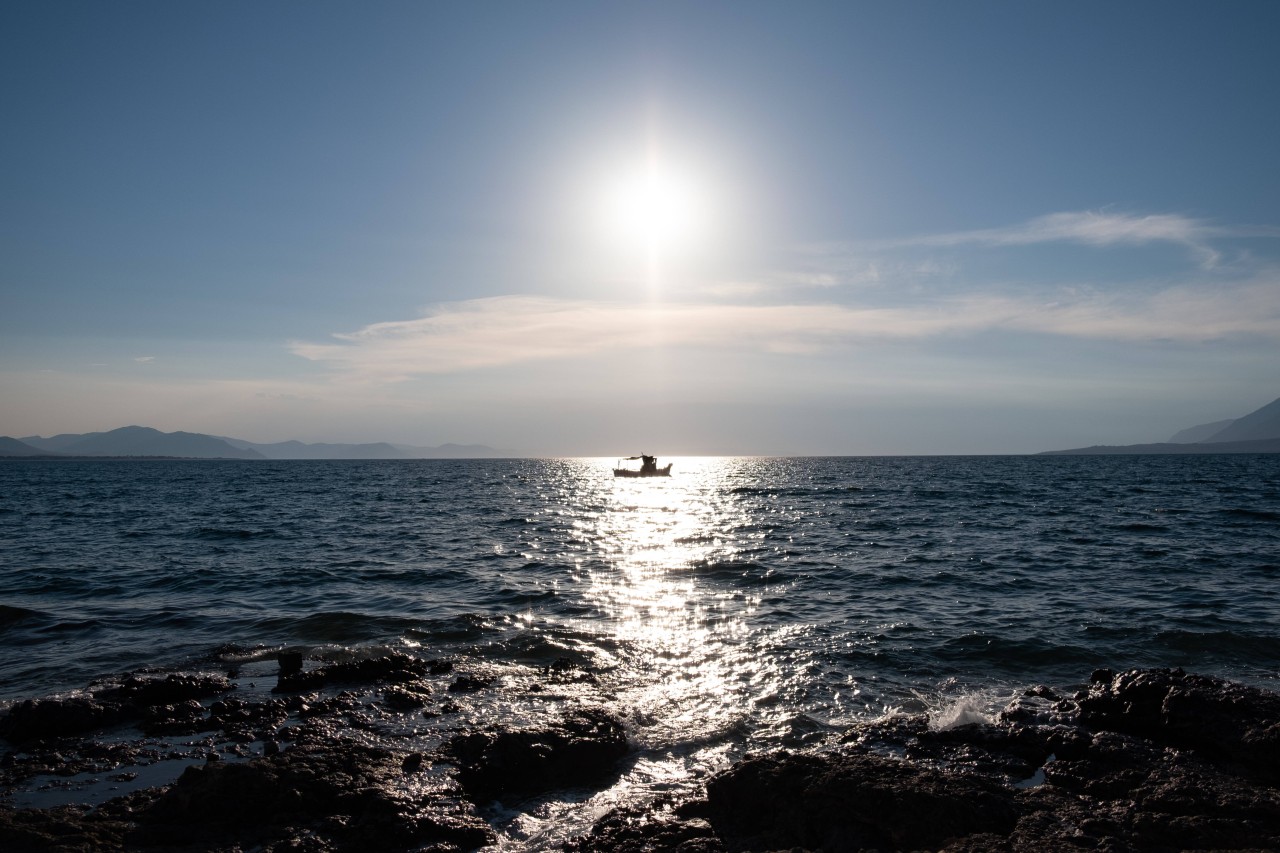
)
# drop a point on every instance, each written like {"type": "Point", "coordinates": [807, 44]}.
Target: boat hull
{"type": "Point", "coordinates": [665, 471]}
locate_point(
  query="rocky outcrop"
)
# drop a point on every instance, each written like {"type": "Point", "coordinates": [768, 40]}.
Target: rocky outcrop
{"type": "Point", "coordinates": [345, 794]}
{"type": "Point", "coordinates": [581, 749]}
{"type": "Point", "coordinates": [1142, 760]}
{"type": "Point", "coordinates": [853, 800]}
{"type": "Point", "coordinates": [137, 697]}
{"type": "Point", "coordinates": [1138, 760]}
{"type": "Point", "coordinates": [395, 668]}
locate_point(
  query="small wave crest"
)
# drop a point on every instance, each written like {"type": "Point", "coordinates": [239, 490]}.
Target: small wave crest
{"type": "Point", "coordinates": [1255, 646]}
{"type": "Point", "coordinates": [1248, 514]}
{"type": "Point", "coordinates": [233, 533]}
{"type": "Point", "coordinates": [741, 572]}
{"type": "Point", "coordinates": [11, 617]}
{"type": "Point", "coordinates": [966, 709]}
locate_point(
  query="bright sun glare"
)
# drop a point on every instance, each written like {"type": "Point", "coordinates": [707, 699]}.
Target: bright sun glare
{"type": "Point", "coordinates": [654, 209]}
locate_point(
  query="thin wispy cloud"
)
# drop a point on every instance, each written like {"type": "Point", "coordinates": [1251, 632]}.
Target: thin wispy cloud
{"type": "Point", "coordinates": [1099, 228]}
{"type": "Point", "coordinates": [491, 333]}
{"type": "Point", "coordinates": [898, 300]}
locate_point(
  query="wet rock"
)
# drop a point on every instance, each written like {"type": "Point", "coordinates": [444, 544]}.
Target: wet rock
{"type": "Point", "coordinates": [1144, 760]}
{"type": "Point", "coordinates": [237, 717]}
{"type": "Point", "coordinates": [583, 748]}
{"type": "Point", "coordinates": [395, 668]}
{"type": "Point", "coordinates": [172, 689]}
{"type": "Point", "coordinates": [1222, 720]}
{"type": "Point", "coordinates": [33, 719]}
{"type": "Point", "coordinates": [469, 683]}
{"type": "Point", "coordinates": [290, 663]}
{"type": "Point", "coordinates": [343, 796]}
{"type": "Point", "coordinates": [182, 718]}
{"type": "Point", "coordinates": [132, 699]}
{"type": "Point", "coordinates": [405, 699]}
{"type": "Point", "coordinates": [569, 671]}
{"type": "Point", "coordinates": [660, 825]}
{"type": "Point", "coordinates": [66, 828]}
{"type": "Point", "coordinates": [849, 801]}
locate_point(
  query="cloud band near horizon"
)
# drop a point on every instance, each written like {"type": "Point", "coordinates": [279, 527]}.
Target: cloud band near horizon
{"type": "Point", "coordinates": [506, 330]}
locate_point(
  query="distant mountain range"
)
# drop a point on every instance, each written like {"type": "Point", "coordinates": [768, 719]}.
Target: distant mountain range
{"type": "Point", "coordinates": [135, 441]}
{"type": "Point", "coordinates": [1256, 432]}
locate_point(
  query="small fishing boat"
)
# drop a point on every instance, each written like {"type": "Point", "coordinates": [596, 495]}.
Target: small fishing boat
{"type": "Point", "coordinates": [648, 467]}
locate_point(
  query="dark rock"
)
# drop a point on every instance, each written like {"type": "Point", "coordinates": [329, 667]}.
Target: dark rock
{"type": "Point", "coordinates": [395, 668]}
{"type": "Point", "coordinates": [182, 718]}
{"type": "Point", "coordinates": [238, 717]}
{"type": "Point", "coordinates": [583, 748]}
{"type": "Point", "coordinates": [343, 795]}
{"type": "Point", "coordinates": [469, 683]}
{"type": "Point", "coordinates": [569, 671]}
{"type": "Point", "coordinates": [1122, 767]}
{"type": "Point", "coordinates": [60, 829]}
{"type": "Point", "coordinates": [132, 699]}
{"type": "Point", "coordinates": [33, 719]}
{"type": "Point", "coordinates": [143, 692]}
{"type": "Point", "coordinates": [404, 699]}
{"type": "Point", "coordinates": [1224, 721]}
{"type": "Point", "coordinates": [661, 825]}
{"type": "Point", "coordinates": [849, 801]}
{"type": "Point", "coordinates": [290, 663]}
{"type": "Point", "coordinates": [1141, 760]}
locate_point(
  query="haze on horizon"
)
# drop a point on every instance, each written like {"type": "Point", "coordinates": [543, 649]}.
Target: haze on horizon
{"type": "Point", "coordinates": [597, 228]}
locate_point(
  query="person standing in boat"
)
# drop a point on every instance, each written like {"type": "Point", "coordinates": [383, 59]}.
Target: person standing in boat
{"type": "Point", "coordinates": [648, 464]}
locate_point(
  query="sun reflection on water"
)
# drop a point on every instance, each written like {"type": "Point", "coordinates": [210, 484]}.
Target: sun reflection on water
{"type": "Point", "coordinates": [693, 674]}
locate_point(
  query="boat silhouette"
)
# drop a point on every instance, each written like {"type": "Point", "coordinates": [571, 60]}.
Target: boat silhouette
{"type": "Point", "coordinates": [648, 467]}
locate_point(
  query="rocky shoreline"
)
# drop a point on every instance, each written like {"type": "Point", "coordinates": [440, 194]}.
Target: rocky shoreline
{"type": "Point", "coordinates": [1140, 760]}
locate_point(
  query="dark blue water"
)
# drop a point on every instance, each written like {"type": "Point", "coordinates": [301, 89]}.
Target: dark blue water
{"type": "Point", "coordinates": [901, 571]}
{"type": "Point", "coordinates": [740, 601]}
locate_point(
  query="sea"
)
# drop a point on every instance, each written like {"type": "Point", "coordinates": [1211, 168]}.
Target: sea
{"type": "Point", "coordinates": [739, 604]}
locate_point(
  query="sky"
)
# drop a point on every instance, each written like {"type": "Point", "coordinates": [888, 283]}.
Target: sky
{"type": "Point", "coordinates": [564, 228]}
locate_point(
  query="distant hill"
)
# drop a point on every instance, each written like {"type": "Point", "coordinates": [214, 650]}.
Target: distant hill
{"type": "Point", "coordinates": [1262, 424]}
{"type": "Point", "coordinates": [145, 441]}
{"type": "Point", "coordinates": [1266, 445]}
{"type": "Point", "coordinates": [1203, 432]}
{"type": "Point", "coordinates": [142, 441]}
{"type": "Point", "coordinates": [375, 450]}
{"type": "Point", "coordinates": [453, 451]}
{"type": "Point", "coordinates": [1256, 432]}
{"type": "Point", "coordinates": [14, 447]}
{"type": "Point", "coordinates": [53, 444]}
{"type": "Point", "coordinates": [299, 450]}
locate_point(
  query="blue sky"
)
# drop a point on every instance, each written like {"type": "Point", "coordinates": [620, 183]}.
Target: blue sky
{"type": "Point", "coordinates": [885, 228]}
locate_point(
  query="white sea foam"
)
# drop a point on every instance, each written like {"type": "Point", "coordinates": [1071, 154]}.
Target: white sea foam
{"type": "Point", "coordinates": [964, 710]}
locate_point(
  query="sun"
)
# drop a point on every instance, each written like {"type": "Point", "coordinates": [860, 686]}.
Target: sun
{"type": "Point", "coordinates": [654, 209]}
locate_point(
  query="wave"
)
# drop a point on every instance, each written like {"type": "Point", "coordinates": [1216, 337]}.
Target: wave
{"type": "Point", "coordinates": [1253, 646]}
{"type": "Point", "coordinates": [234, 533]}
{"type": "Point", "coordinates": [338, 626]}
{"type": "Point", "coordinates": [740, 573]}
{"type": "Point", "coordinates": [1250, 514]}
{"type": "Point", "coordinates": [12, 617]}
{"type": "Point", "coordinates": [1013, 654]}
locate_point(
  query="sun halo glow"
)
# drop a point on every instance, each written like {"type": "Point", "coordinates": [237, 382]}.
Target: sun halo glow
{"type": "Point", "coordinates": [654, 209]}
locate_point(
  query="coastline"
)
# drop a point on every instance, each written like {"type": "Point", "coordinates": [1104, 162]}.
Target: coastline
{"type": "Point", "coordinates": [316, 757]}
